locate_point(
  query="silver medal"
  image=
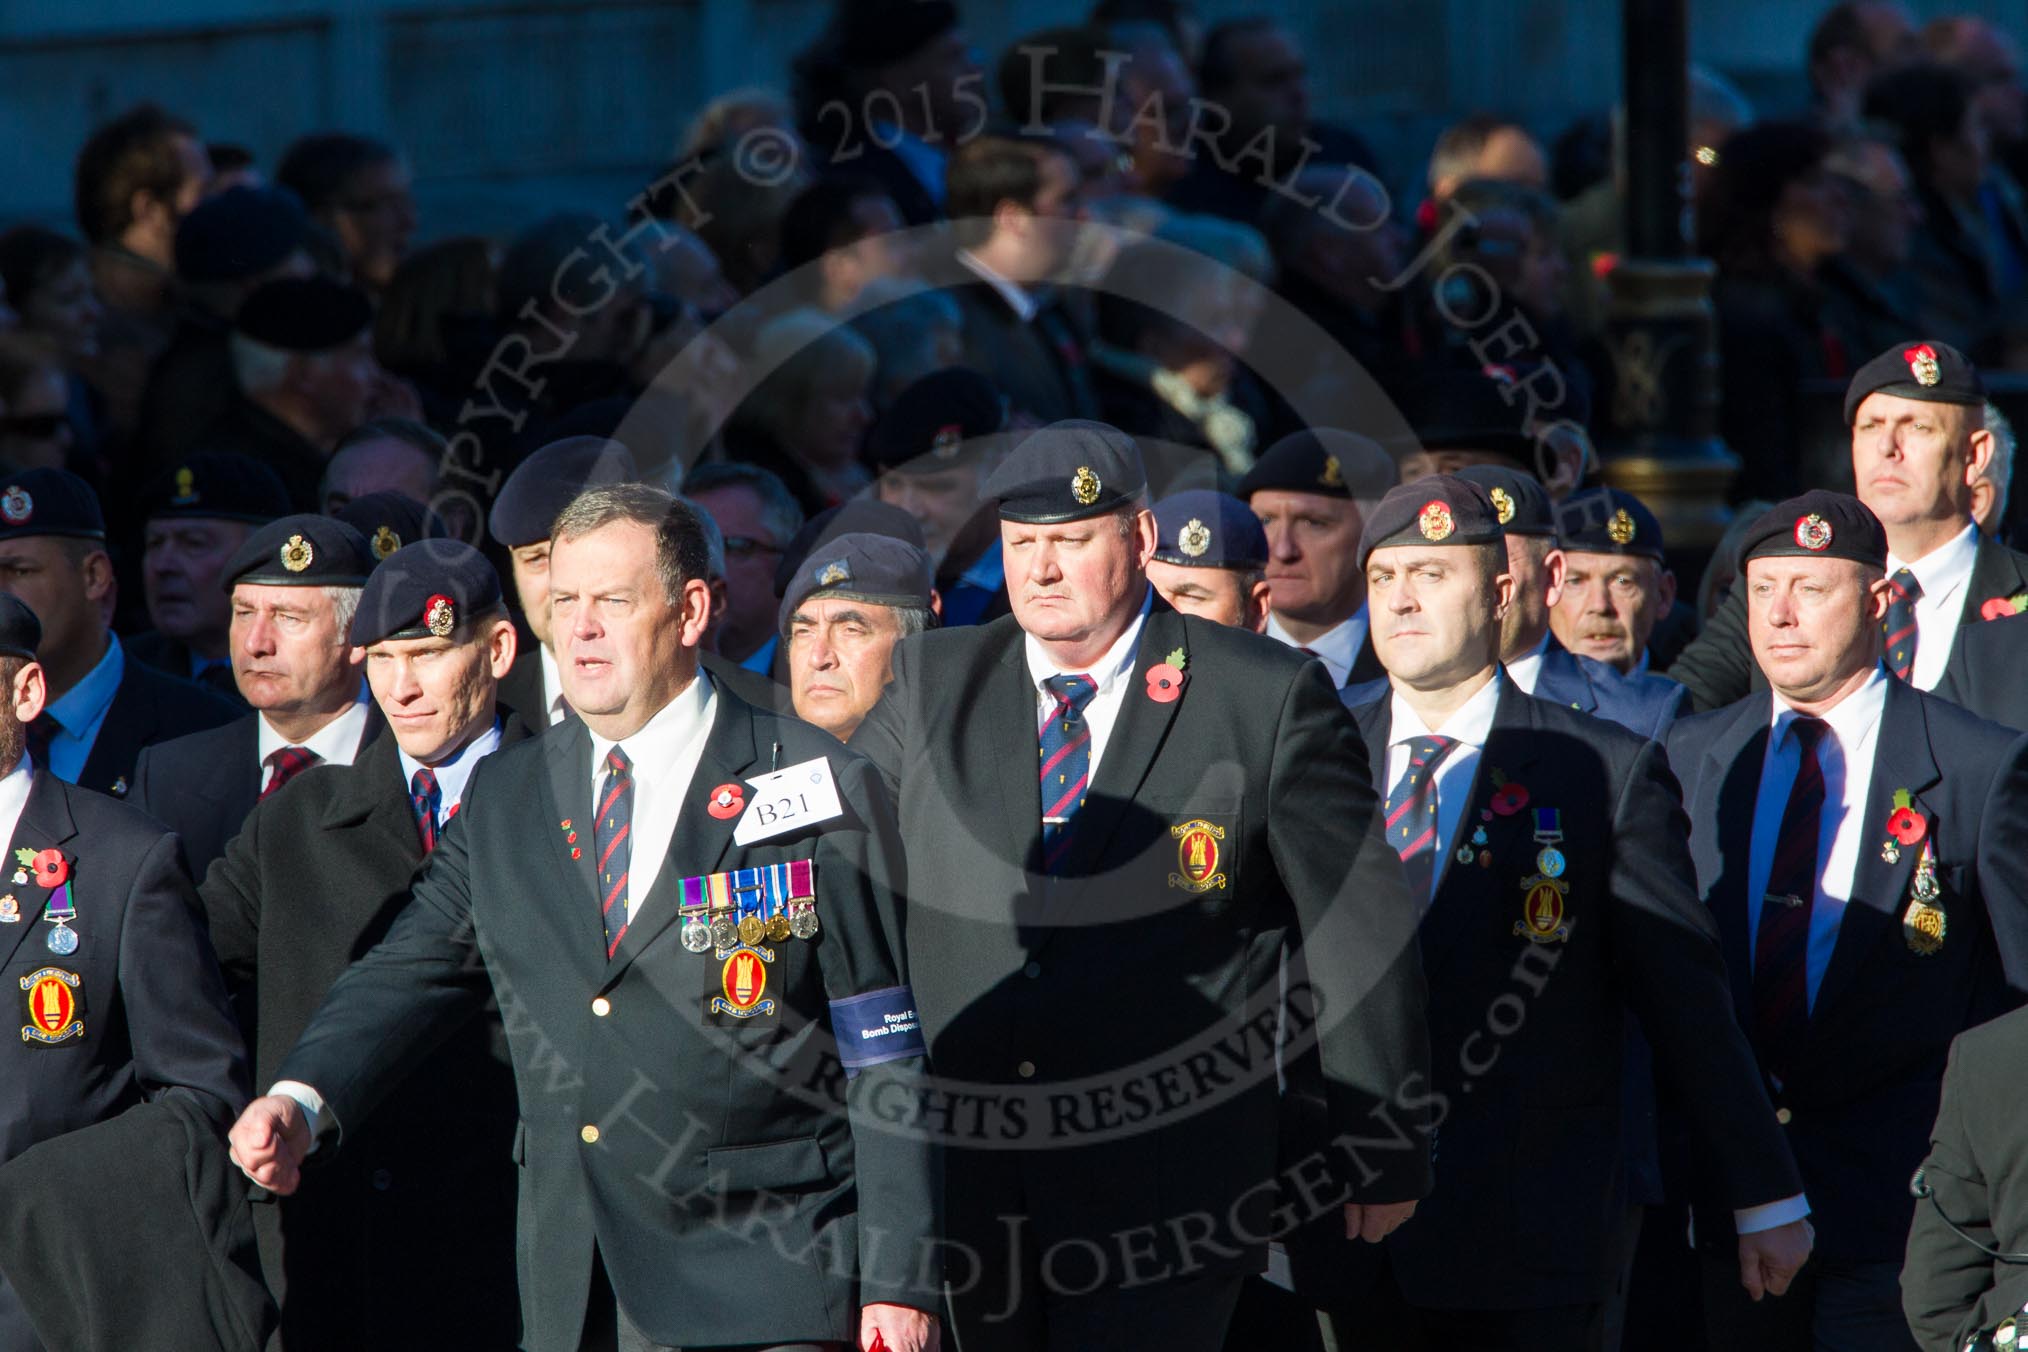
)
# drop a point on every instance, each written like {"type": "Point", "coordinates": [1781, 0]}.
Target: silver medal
{"type": "Point", "coordinates": [696, 934]}
{"type": "Point", "coordinates": [1550, 862]}
{"type": "Point", "coordinates": [62, 940]}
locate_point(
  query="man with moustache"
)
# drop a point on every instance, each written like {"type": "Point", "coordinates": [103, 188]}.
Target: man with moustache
{"type": "Point", "coordinates": [1211, 558]}
{"type": "Point", "coordinates": [852, 600]}
{"type": "Point", "coordinates": [1616, 583]}
{"type": "Point", "coordinates": [655, 914]}
{"type": "Point", "coordinates": [356, 1258]}
{"type": "Point", "coordinates": [1110, 917]}
{"type": "Point", "coordinates": [1857, 842]}
{"type": "Point", "coordinates": [1547, 846]}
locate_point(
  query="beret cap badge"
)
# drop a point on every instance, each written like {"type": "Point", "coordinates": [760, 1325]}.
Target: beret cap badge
{"type": "Point", "coordinates": [297, 554]}
{"type": "Point", "coordinates": [1333, 475]}
{"type": "Point", "coordinates": [1620, 530]}
{"type": "Point", "coordinates": [1435, 521]}
{"type": "Point", "coordinates": [1084, 486]}
{"type": "Point", "coordinates": [1813, 532]}
{"type": "Point", "coordinates": [186, 487]}
{"type": "Point", "coordinates": [385, 542]}
{"type": "Point", "coordinates": [945, 443]}
{"type": "Point", "coordinates": [833, 573]}
{"type": "Point", "coordinates": [440, 615]}
{"type": "Point", "coordinates": [1194, 538]}
{"type": "Point", "coordinates": [1502, 504]}
{"type": "Point", "coordinates": [16, 506]}
{"type": "Point", "coordinates": [1923, 364]}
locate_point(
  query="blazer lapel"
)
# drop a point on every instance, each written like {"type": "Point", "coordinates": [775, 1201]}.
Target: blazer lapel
{"type": "Point", "coordinates": [1996, 571]}
{"type": "Point", "coordinates": [45, 823]}
{"type": "Point", "coordinates": [700, 841]}
{"type": "Point", "coordinates": [1902, 759]}
{"type": "Point", "coordinates": [1733, 765]}
{"type": "Point", "coordinates": [567, 812]}
{"type": "Point", "coordinates": [1562, 681]}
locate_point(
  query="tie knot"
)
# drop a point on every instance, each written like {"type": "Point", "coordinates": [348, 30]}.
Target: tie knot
{"type": "Point", "coordinates": [424, 784]}
{"type": "Point", "coordinates": [1808, 732]}
{"type": "Point", "coordinates": [1424, 752]}
{"type": "Point", "coordinates": [1904, 582]}
{"type": "Point", "coordinates": [290, 757]}
{"type": "Point", "coordinates": [1074, 690]}
{"type": "Point", "coordinates": [617, 762]}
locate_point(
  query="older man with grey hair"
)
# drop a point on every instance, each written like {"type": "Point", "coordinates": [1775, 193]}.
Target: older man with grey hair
{"type": "Point", "coordinates": [851, 601]}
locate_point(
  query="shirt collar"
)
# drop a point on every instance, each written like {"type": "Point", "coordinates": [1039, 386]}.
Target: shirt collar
{"type": "Point", "coordinates": [1526, 669]}
{"type": "Point", "coordinates": [1115, 662]}
{"type": "Point", "coordinates": [14, 787]}
{"type": "Point", "coordinates": [659, 741]}
{"type": "Point", "coordinates": [1945, 568]}
{"type": "Point", "coordinates": [1018, 298]}
{"type": "Point", "coordinates": [1338, 644]}
{"type": "Point", "coordinates": [86, 702]}
{"type": "Point", "coordinates": [1469, 723]}
{"type": "Point", "coordinates": [1851, 718]}
{"type": "Point", "coordinates": [552, 682]}
{"type": "Point", "coordinates": [455, 771]}
{"type": "Point", "coordinates": [336, 743]}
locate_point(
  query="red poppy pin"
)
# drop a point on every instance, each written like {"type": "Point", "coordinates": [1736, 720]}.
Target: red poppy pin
{"type": "Point", "coordinates": [50, 868]}
{"type": "Point", "coordinates": [1165, 678]}
{"type": "Point", "coordinates": [1509, 796]}
{"type": "Point", "coordinates": [1905, 824]}
{"type": "Point", "coordinates": [727, 800]}
{"type": "Point", "coordinates": [2001, 607]}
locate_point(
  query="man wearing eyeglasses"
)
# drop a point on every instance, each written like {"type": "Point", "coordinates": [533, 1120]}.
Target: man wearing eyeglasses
{"type": "Point", "coordinates": [758, 517]}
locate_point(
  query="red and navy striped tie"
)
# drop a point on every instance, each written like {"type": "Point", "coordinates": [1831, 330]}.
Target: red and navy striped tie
{"type": "Point", "coordinates": [1899, 622]}
{"type": "Point", "coordinates": [1066, 762]}
{"type": "Point", "coordinates": [284, 764]}
{"type": "Point", "coordinates": [1781, 948]}
{"type": "Point", "coordinates": [609, 834]}
{"type": "Point", "coordinates": [425, 797]}
{"type": "Point", "coordinates": [1412, 813]}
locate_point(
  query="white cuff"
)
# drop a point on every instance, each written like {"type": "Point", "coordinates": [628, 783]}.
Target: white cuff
{"type": "Point", "coordinates": [309, 1099]}
{"type": "Point", "coordinates": [1751, 1220]}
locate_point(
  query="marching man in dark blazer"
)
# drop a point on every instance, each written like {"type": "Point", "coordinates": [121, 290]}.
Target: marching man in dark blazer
{"type": "Point", "coordinates": [1548, 846]}
{"type": "Point", "coordinates": [357, 1257]}
{"type": "Point", "coordinates": [1080, 943]}
{"type": "Point", "coordinates": [686, 910]}
{"type": "Point", "coordinates": [1858, 843]}
{"type": "Point", "coordinates": [294, 585]}
{"type": "Point", "coordinates": [102, 953]}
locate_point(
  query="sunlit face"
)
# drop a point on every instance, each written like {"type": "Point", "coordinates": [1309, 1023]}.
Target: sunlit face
{"type": "Point", "coordinates": [182, 568]}
{"type": "Point", "coordinates": [437, 693]}
{"type": "Point", "coordinates": [1071, 583]}
{"type": "Point", "coordinates": [288, 654]}
{"type": "Point", "coordinates": [1814, 623]}
{"type": "Point", "coordinates": [1225, 596]}
{"type": "Point", "coordinates": [1914, 461]}
{"type": "Point", "coordinates": [840, 659]}
{"type": "Point", "coordinates": [1435, 612]}
{"type": "Point", "coordinates": [1610, 604]}
{"type": "Point", "coordinates": [625, 648]}
{"type": "Point", "coordinates": [1313, 554]}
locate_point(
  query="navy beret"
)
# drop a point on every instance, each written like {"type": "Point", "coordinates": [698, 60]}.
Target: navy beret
{"type": "Point", "coordinates": [942, 419]}
{"type": "Point", "coordinates": [303, 550]}
{"type": "Point", "coordinates": [1437, 509]}
{"type": "Point", "coordinates": [877, 569]}
{"type": "Point", "coordinates": [542, 485]}
{"type": "Point", "coordinates": [218, 486]}
{"type": "Point", "coordinates": [1925, 369]}
{"type": "Point", "coordinates": [1203, 528]}
{"type": "Point", "coordinates": [1819, 524]}
{"type": "Point", "coordinates": [388, 520]}
{"type": "Point", "coordinates": [425, 590]}
{"type": "Point", "coordinates": [1608, 521]}
{"type": "Point", "coordinates": [855, 516]}
{"type": "Point", "coordinates": [1068, 471]}
{"type": "Point", "coordinates": [1325, 461]}
{"type": "Point", "coordinates": [240, 233]}
{"type": "Point", "coordinates": [20, 631]}
{"type": "Point", "coordinates": [304, 314]}
{"type": "Point", "coordinates": [1519, 499]}
{"type": "Point", "coordinates": [49, 502]}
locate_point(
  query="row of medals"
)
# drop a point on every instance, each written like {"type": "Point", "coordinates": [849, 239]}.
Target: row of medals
{"type": "Point", "coordinates": [724, 932]}
{"type": "Point", "coordinates": [1549, 862]}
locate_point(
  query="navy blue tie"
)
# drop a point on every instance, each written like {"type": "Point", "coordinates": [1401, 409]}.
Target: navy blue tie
{"type": "Point", "coordinates": [425, 797]}
{"type": "Point", "coordinates": [1412, 813]}
{"type": "Point", "coordinates": [1066, 762]}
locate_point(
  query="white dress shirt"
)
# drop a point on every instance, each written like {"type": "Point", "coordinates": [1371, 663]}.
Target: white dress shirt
{"type": "Point", "coordinates": [336, 743]}
{"type": "Point", "coordinates": [1337, 648]}
{"type": "Point", "coordinates": [1943, 574]}
{"type": "Point", "coordinates": [1019, 299]}
{"type": "Point", "coordinates": [664, 755]}
{"type": "Point", "coordinates": [1846, 756]}
{"type": "Point", "coordinates": [13, 798]}
{"type": "Point", "coordinates": [553, 707]}
{"type": "Point", "coordinates": [1467, 725]}
{"type": "Point", "coordinates": [1526, 669]}
{"type": "Point", "coordinates": [1113, 672]}
{"type": "Point", "coordinates": [453, 773]}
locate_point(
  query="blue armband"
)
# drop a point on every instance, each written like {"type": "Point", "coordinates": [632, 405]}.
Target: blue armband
{"type": "Point", "coordinates": [877, 1026]}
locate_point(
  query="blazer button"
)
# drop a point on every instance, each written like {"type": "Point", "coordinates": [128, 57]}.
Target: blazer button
{"type": "Point", "coordinates": [1784, 1116]}
{"type": "Point", "coordinates": [1026, 1070]}
{"type": "Point", "coordinates": [602, 1006]}
{"type": "Point", "coordinates": [1032, 970]}
{"type": "Point", "coordinates": [589, 1135]}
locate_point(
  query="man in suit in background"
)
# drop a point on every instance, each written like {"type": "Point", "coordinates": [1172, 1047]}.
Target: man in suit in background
{"type": "Point", "coordinates": [103, 943]}
{"type": "Point", "coordinates": [1858, 843]}
{"type": "Point", "coordinates": [1617, 586]}
{"type": "Point", "coordinates": [709, 1017]}
{"type": "Point", "coordinates": [1919, 442]}
{"type": "Point", "coordinates": [1311, 491]}
{"type": "Point", "coordinates": [1558, 902]}
{"type": "Point", "coordinates": [1077, 941]}
{"type": "Point", "coordinates": [102, 709]}
{"type": "Point", "coordinates": [357, 1257]}
{"type": "Point", "coordinates": [295, 587]}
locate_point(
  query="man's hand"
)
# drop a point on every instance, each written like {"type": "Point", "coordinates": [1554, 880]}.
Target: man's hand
{"type": "Point", "coordinates": [897, 1328]}
{"type": "Point", "coordinates": [269, 1142]}
{"type": "Point", "coordinates": [1375, 1221]}
{"type": "Point", "coordinates": [1770, 1259]}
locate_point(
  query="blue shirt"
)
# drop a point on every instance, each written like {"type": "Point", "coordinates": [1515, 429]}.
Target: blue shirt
{"type": "Point", "coordinates": [762, 659]}
{"type": "Point", "coordinates": [969, 596]}
{"type": "Point", "coordinates": [81, 710]}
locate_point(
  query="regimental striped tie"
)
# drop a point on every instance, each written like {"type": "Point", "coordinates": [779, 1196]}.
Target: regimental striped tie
{"type": "Point", "coordinates": [425, 797]}
{"type": "Point", "coordinates": [1899, 622]}
{"type": "Point", "coordinates": [610, 831]}
{"type": "Point", "coordinates": [285, 763]}
{"type": "Point", "coordinates": [1412, 813]}
{"type": "Point", "coordinates": [1781, 948]}
{"type": "Point", "coordinates": [1066, 762]}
